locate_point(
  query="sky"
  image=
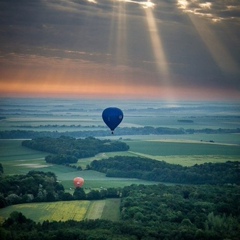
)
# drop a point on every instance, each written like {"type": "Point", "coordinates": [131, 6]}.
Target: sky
{"type": "Point", "coordinates": [120, 49]}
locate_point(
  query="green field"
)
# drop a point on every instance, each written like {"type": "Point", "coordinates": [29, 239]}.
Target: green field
{"type": "Point", "coordinates": [63, 211]}
{"type": "Point", "coordinates": [17, 159]}
{"type": "Point", "coordinates": [185, 153]}
{"type": "Point", "coordinates": [162, 148]}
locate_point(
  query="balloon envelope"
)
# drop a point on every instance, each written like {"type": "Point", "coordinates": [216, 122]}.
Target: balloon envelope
{"type": "Point", "coordinates": [112, 116]}
{"type": "Point", "coordinates": [78, 182]}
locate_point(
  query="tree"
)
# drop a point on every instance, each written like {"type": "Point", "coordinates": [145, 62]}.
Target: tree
{"type": "Point", "coordinates": [13, 198]}
{"type": "Point", "coordinates": [3, 202]}
{"type": "Point", "coordinates": [1, 169]}
{"type": "Point", "coordinates": [94, 195]}
{"type": "Point", "coordinates": [79, 194]}
{"type": "Point", "coordinates": [65, 196]}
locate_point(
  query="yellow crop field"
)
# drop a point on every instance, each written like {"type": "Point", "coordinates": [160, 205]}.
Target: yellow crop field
{"type": "Point", "coordinates": [63, 211]}
{"type": "Point", "coordinates": [67, 210]}
{"type": "Point", "coordinates": [54, 211]}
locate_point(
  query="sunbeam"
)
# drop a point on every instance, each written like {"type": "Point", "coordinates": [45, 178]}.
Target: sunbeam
{"type": "Point", "coordinates": [121, 34]}
{"type": "Point", "coordinates": [158, 50]}
{"type": "Point", "coordinates": [157, 46]}
{"type": "Point", "coordinates": [218, 51]}
{"type": "Point", "coordinates": [118, 33]}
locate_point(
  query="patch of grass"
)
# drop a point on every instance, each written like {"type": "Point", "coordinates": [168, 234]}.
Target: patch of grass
{"type": "Point", "coordinates": [13, 150]}
{"type": "Point", "coordinates": [95, 209]}
{"type": "Point", "coordinates": [111, 209]}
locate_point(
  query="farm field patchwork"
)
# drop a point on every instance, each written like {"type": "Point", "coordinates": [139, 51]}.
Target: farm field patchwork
{"type": "Point", "coordinates": [17, 159]}
{"type": "Point", "coordinates": [63, 211]}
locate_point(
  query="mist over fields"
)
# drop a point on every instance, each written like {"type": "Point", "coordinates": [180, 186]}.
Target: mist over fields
{"type": "Point", "coordinates": [65, 115]}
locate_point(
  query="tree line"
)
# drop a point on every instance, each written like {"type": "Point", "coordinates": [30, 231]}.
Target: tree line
{"type": "Point", "coordinates": [38, 186]}
{"type": "Point", "coordinates": [148, 212]}
{"type": "Point", "coordinates": [35, 186]}
{"type": "Point", "coordinates": [67, 149]}
{"type": "Point", "coordinates": [153, 170]}
{"type": "Point", "coordinates": [147, 130]}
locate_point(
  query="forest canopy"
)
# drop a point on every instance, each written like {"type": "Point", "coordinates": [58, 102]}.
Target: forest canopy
{"type": "Point", "coordinates": [68, 150]}
{"type": "Point", "coordinates": [153, 170]}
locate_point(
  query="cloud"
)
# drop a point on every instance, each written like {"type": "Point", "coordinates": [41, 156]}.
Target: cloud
{"type": "Point", "coordinates": [221, 10]}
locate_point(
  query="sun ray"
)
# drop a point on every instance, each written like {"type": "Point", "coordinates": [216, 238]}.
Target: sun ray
{"type": "Point", "coordinates": [219, 53]}
{"type": "Point", "coordinates": [118, 34]}
{"type": "Point", "coordinates": [121, 34]}
{"type": "Point", "coordinates": [201, 21]}
{"type": "Point", "coordinates": [158, 50]}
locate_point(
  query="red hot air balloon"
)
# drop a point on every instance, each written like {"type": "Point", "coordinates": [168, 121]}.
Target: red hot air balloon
{"type": "Point", "coordinates": [78, 182]}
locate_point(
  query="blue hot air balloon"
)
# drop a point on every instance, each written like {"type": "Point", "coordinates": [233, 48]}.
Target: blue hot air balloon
{"type": "Point", "coordinates": [112, 116]}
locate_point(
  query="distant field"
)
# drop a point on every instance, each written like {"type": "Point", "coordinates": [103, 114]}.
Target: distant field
{"type": "Point", "coordinates": [190, 160]}
{"type": "Point", "coordinates": [17, 159]}
{"type": "Point", "coordinates": [52, 123]}
{"type": "Point", "coordinates": [184, 153]}
{"type": "Point", "coordinates": [63, 211]}
{"type": "Point", "coordinates": [13, 150]}
{"type": "Point", "coordinates": [161, 148]}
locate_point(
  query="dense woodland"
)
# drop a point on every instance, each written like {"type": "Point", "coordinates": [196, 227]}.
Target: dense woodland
{"type": "Point", "coordinates": [148, 169]}
{"type": "Point", "coordinates": [147, 130]}
{"type": "Point", "coordinates": [68, 150]}
{"type": "Point", "coordinates": [148, 213]}
{"type": "Point", "coordinates": [34, 186]}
